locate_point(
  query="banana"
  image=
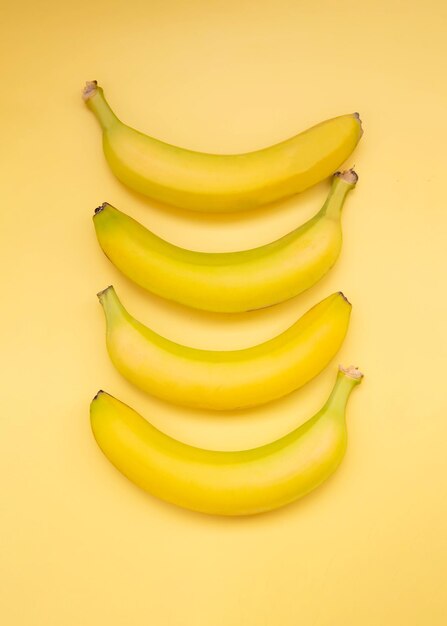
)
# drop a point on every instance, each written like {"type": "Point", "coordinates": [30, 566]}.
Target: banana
{"type": "Point", "coordinates": [225, 483]}
{"type": "Point", "coordinates": [224, 380]}
{"type": "Point", "coordinates": [217, 182]}
{"type": "Point", "coordinates": [233, 281]}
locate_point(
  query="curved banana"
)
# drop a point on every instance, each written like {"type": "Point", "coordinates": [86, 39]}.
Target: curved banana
{"type": "Point", "coordinates": [221, 183]}
{"type": "Point", "coordinates": [232, 281]}
{"type": "Point", "coordinates": [224, 380]}
{"type": "Point", "coordinates": [225, 483]}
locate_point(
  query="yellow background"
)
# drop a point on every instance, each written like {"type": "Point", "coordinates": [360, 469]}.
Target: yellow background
{"type": "Point", "coordinates": [79, 544]}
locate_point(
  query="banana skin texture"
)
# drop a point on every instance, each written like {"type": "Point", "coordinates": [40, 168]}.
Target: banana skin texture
{"type": "Point", "coordinates": [225, 380]}
{"type": "Point", "coordinates": [227, 282]}
{"type": "Point", "coordinates": [221, 182]}
{"type": "Point", "coordinates": [225, 483]}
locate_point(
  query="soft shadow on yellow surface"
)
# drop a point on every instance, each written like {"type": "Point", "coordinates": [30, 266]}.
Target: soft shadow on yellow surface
{"type": "Point", "coordinates": [79, 544]}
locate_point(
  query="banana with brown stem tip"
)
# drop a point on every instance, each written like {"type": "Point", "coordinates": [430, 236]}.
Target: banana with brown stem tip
{"type": "Point", "coordinates": [222, 182]}
{"type": "Point", "coordinates": [225, 379]}
{"type": "Point", "coordinates": [230, 281]}
{"type": "Point", "coordinates": [226, 483]}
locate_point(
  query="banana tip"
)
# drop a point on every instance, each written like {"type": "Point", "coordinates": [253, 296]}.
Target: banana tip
{"type": "Point", "coordinates": [358, 118]}
{"type": "Point", "coordinates": [348, 176]}
{"type": "Point", "coordinates": [351, 371]}
{"type": "Point", "coordinates": [89, 89]}
{"type": "Point", "coordinates": [98, 394]}
{"type": "Point", "coordinates": [101, 207]}
{"type": "Point", "coordinates": [101, 293]}
{"type": "Point", "coordinates": [344, 297]}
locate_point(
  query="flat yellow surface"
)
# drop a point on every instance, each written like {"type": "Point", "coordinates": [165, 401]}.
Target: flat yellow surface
{"type": "Point", "coordinates": [79, 544]}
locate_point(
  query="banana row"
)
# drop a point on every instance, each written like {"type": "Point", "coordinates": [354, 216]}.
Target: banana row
{"type": "Point", "coordinates": [226, 483]}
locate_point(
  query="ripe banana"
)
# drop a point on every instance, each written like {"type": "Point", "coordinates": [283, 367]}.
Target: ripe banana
{"type": "Point", "coordinates": [233, 281]}
{"type": "Point", "coordinates": [217, 182]}
{"type": "Point", "coordinates": [224, 380]}
{"type": "Point", "coordinates": [225, 483]}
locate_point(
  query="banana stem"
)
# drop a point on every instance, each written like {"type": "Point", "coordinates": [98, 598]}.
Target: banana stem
{"type": "Point", "coordinates": [96, 102]}
{"type": "Point", "coordinates": [110, 303]}
{"type": "Point", "coordinates": [342, 184]}
{"type": "Point", "coordinates": [347, 379]}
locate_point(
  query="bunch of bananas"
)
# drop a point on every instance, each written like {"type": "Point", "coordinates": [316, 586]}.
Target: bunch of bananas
{"type": "Point", "coordinates": [216, 482]}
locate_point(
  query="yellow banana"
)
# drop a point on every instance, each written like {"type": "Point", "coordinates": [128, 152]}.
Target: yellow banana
{"type": "Point", "coordinates": [225, 483]}
{"type": "Point", "coordinates": [232, 281]}
{"type": "Point", "coordinates": [224, 380]}
{"type": "Point", "coordinates": [222, 183]}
